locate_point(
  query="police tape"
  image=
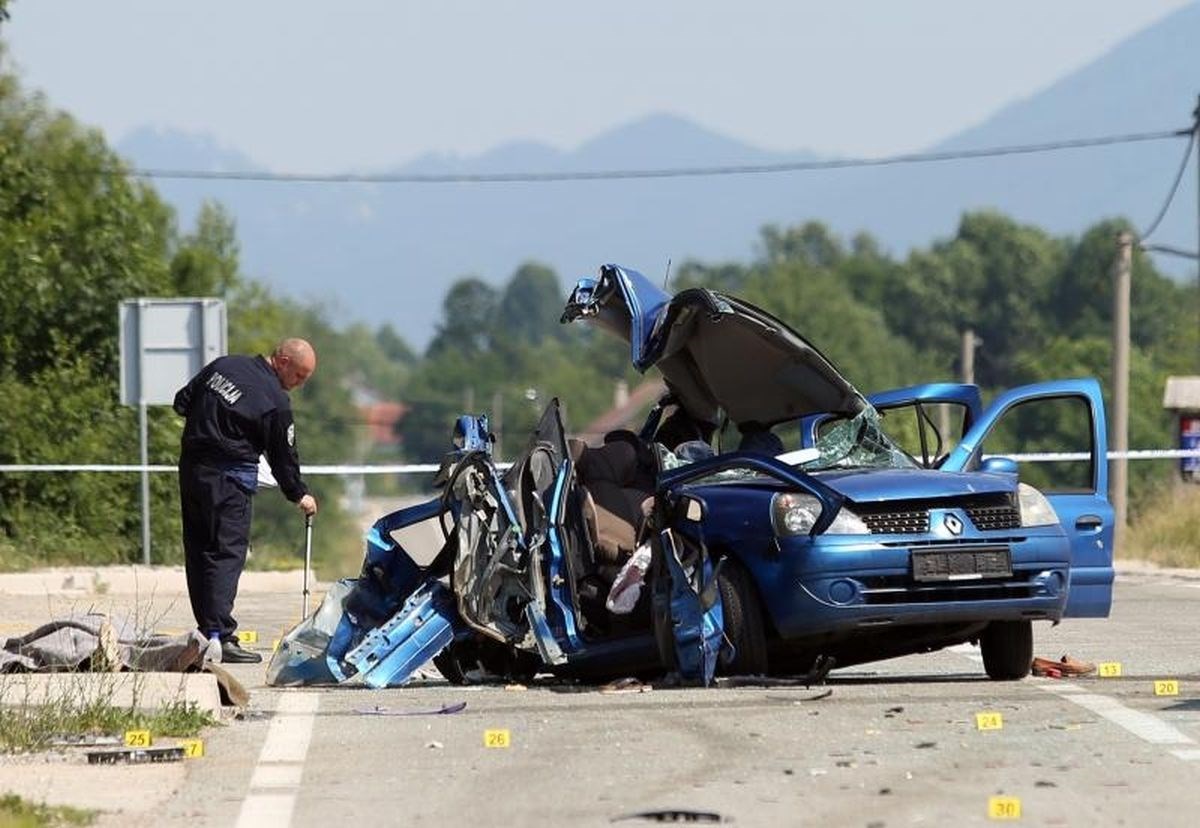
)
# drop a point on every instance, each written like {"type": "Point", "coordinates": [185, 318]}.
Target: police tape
{"type": "Point", "coordinates": [430, 468]}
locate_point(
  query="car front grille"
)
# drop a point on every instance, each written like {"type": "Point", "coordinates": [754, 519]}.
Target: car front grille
{"type": "Point", "coordinates": [987, 518]}
{"type": "Point", "coordinates": [913, 522]}
{"type": "Point", "coordinates": [911, 517]}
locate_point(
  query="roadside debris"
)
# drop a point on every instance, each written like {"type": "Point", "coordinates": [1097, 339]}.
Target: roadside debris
{"type": "Point", "coordinates": [627, 586]}
{"type": "Point", "coordinates": [380, 710]}
{"type": "Point", "coordinates": [626, 685]}
{"type": "Point", "coordinates": [434, 745]}
{"type": "Point", "coordinates": [673, 815]}
{"type": "Point", "coordinates": [95, 642]}
{"type": "Point", "coordinates": [135, 756]}
{"type": "Point", "coordinates": [1065, 666]}
{"type": "Point", "coordinates": [84, 740]}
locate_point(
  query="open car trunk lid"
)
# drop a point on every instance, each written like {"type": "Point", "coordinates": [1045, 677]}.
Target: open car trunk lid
{"type": "Point", "coordinates": [703, 341]}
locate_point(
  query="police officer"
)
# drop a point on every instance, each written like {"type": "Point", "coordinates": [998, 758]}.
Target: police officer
{"type": "Point", "coordinates": [237, 408]}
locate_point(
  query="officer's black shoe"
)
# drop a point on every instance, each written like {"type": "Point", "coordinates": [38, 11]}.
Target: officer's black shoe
{"type": "Point", "coordinates": [232, 653]}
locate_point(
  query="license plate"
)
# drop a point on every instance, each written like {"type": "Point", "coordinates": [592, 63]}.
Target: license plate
{"type": "Point", "coordinates": [961, 564]}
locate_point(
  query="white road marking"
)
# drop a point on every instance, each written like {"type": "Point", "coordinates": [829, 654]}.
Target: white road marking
{"type": "Point", "coordinates": [1143, 725]}
{"type": "Point", "coordinates": [276, 780]}
{"type": "Point", "coordinates": [277, 776]}
{"type": "Point", "coordinates": [267, 809]}
{"type": "Point", "coordinates": [291, 729]}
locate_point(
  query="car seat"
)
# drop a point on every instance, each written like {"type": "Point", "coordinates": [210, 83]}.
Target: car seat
{"type": "Point", "coordinates": [613, 490]}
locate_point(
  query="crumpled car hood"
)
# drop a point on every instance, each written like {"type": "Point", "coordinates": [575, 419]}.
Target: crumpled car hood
{"type": "Point", "coordinates": [716, 352]}
{"type": "Point", "coordinates": [866, 485]}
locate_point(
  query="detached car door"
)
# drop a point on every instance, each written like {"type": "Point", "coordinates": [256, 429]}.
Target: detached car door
{"type": "Point", "coordinates": [1059, 428]}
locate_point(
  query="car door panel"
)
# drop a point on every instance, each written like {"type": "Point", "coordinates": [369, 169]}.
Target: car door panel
{"type": "Point", "coordinates": [1083, 508]}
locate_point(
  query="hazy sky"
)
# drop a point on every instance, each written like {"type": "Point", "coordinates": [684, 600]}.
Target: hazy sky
{"type": "Point", "coordinates": [321, 86]}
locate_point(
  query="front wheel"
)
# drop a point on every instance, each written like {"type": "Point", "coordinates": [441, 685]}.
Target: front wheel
{"type": "Point", "coordinates": [744, 626]}
{"type": "Point", "coordinates": [1007, 648]}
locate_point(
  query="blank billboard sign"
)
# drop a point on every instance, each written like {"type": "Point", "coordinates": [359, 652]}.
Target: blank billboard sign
{"type": "Point", "coordinates": [164, 342]}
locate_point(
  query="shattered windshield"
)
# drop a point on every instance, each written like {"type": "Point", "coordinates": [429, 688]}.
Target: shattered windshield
{"type": "Point", "coordinates": [855, 443]}
{"type": "Point", "coordinates": [858, 443]}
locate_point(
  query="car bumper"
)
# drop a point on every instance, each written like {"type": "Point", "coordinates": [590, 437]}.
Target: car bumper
{"type": "Point", "coordinates": [831, 583]}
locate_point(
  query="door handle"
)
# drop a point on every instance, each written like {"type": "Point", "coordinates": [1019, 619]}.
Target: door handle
{"type": "Point", "coordinates": [1086, 523]}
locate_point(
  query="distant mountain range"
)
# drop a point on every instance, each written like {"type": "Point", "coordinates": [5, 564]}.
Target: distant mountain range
{"type": "Point", "coordinates": [389, 252]}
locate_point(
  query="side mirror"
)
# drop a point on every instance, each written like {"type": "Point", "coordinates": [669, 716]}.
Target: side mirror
{"type": "Point", "coordinates": [999, 465]}
{"type": "Point", "coordinates": [691, 509]}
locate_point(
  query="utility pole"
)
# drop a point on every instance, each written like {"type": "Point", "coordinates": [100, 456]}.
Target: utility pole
{"type": "Point", "coordinates": [969, 343]}
{"type": "Point", "coordinates": [1118, 478]}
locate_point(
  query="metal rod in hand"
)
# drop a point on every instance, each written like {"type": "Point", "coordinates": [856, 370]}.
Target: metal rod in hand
{"type": "Point", "coordinates": [307, 559]}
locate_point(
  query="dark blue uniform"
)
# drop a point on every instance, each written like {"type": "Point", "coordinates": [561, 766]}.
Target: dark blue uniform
{"type": "Point", "coordinates": [236, 410]}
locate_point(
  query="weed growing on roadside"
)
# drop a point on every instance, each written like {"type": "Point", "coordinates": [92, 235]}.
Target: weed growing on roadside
{"type": "Point", "coordinates": [1167, 529]}
{"type": "Point", "coordinates": [26, 727]}
{"type": "Point", "coordinates": [16, 812]}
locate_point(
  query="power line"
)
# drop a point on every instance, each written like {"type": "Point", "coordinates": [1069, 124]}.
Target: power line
{"type": "Point", "coordinates": [667, 172]}
{"type": "Point", "coordinates": [1169, 250]}
{"type": "Point", "coordinates": [1187, 154]}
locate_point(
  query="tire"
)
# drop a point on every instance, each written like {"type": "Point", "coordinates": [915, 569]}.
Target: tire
{"type": "Point", "coordinates": [1007, 648]}
{"type": "Point", "coordinates": [744, 627]}
{"type": "Point", "coordinates": [449, 666]}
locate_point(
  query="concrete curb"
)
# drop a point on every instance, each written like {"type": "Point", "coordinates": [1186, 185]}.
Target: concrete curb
{"type": "Point", "coordinates": [149, 692]}
{"type": "Point", "coordinates": [143, 581]}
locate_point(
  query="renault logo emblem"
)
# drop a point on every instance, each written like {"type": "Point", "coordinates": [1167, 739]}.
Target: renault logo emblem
{"type": "Point", "coordinates": [953, 525]}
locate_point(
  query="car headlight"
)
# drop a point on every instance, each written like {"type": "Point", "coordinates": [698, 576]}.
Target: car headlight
{"type": "Point", "coordinates": [1035, 508]}
{"type": "Point", "coordinates": [795, 514]}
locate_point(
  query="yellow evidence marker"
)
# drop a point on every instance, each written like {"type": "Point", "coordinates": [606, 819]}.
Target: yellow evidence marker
{"type": "Point", "coordinates": [192, 748]}
{"type": "Point", "coordinates": [138, 738]}
{"type": "Point", "coordinates": [1166, 687]}
{"type": "Point", "coordinates": [247, 636]}
{"type": "Point", "coordinates": [497, 738]}
{"type": "Point", "coordinates": [1004, 807]}
{"type": "Point", "coordinates": [1108, 669]}
{"type": "Point", "coordinates": [989, 721]}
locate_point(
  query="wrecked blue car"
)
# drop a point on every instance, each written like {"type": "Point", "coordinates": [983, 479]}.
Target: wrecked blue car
{"type": "Point", "coordinates": [768, 519]}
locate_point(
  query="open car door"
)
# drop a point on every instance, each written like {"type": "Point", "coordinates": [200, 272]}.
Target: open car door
{"type": "Point", "coordinates": [1063, 424]}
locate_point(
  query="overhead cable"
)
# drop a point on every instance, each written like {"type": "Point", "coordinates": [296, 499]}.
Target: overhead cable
{"type": "Point", "coordinates": [666, 172]}
{"type": "Point", "coordinates": [1187, 154]}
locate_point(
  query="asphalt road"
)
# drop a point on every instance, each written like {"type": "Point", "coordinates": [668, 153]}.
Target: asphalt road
{"type": "Point", "coordinates": [895, 743]}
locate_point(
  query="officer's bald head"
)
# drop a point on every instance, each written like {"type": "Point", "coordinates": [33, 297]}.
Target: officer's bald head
{"type": "Point", "coordinates": [294, 361]}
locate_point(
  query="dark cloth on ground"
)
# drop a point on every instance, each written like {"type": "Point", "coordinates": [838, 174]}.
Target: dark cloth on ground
{"type": "Point", "coordinates": [95, 642]}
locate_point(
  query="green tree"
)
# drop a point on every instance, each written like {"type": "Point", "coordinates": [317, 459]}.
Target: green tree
{"type": "Point", "coordinates": [529, 308]}
{"type": "Point", "coordinates": [468, 314]}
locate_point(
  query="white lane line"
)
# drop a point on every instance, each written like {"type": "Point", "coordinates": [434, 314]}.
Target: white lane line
{"type": "Point", "coordinates": [277, 776]}
{"type": "Point", "coordinates": [1143, 725]}
{"type": "Point", "coordinates": [276, 780]}
{"type": "Point", "coordinates": [1188, 754]}
{"type": "Point", "coordinates": [267, 809]}
{"type": "Point", "coordinates": [291, 729]}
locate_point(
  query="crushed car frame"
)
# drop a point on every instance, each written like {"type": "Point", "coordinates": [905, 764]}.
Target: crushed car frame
{"type": "Point", "coordinates": [890, 527]}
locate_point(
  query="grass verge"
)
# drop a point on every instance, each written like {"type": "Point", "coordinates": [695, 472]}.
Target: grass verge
{"type": "Point", "coordinates": [1166, 530]}
{"type": "Point", "coordinates": [31, 727]}
{"type": "Point", "coordinates": [15, 812]}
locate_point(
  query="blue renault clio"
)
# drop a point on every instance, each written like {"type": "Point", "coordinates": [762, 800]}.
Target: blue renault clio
{"type": "Point", "coordinates": [768, 519]}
